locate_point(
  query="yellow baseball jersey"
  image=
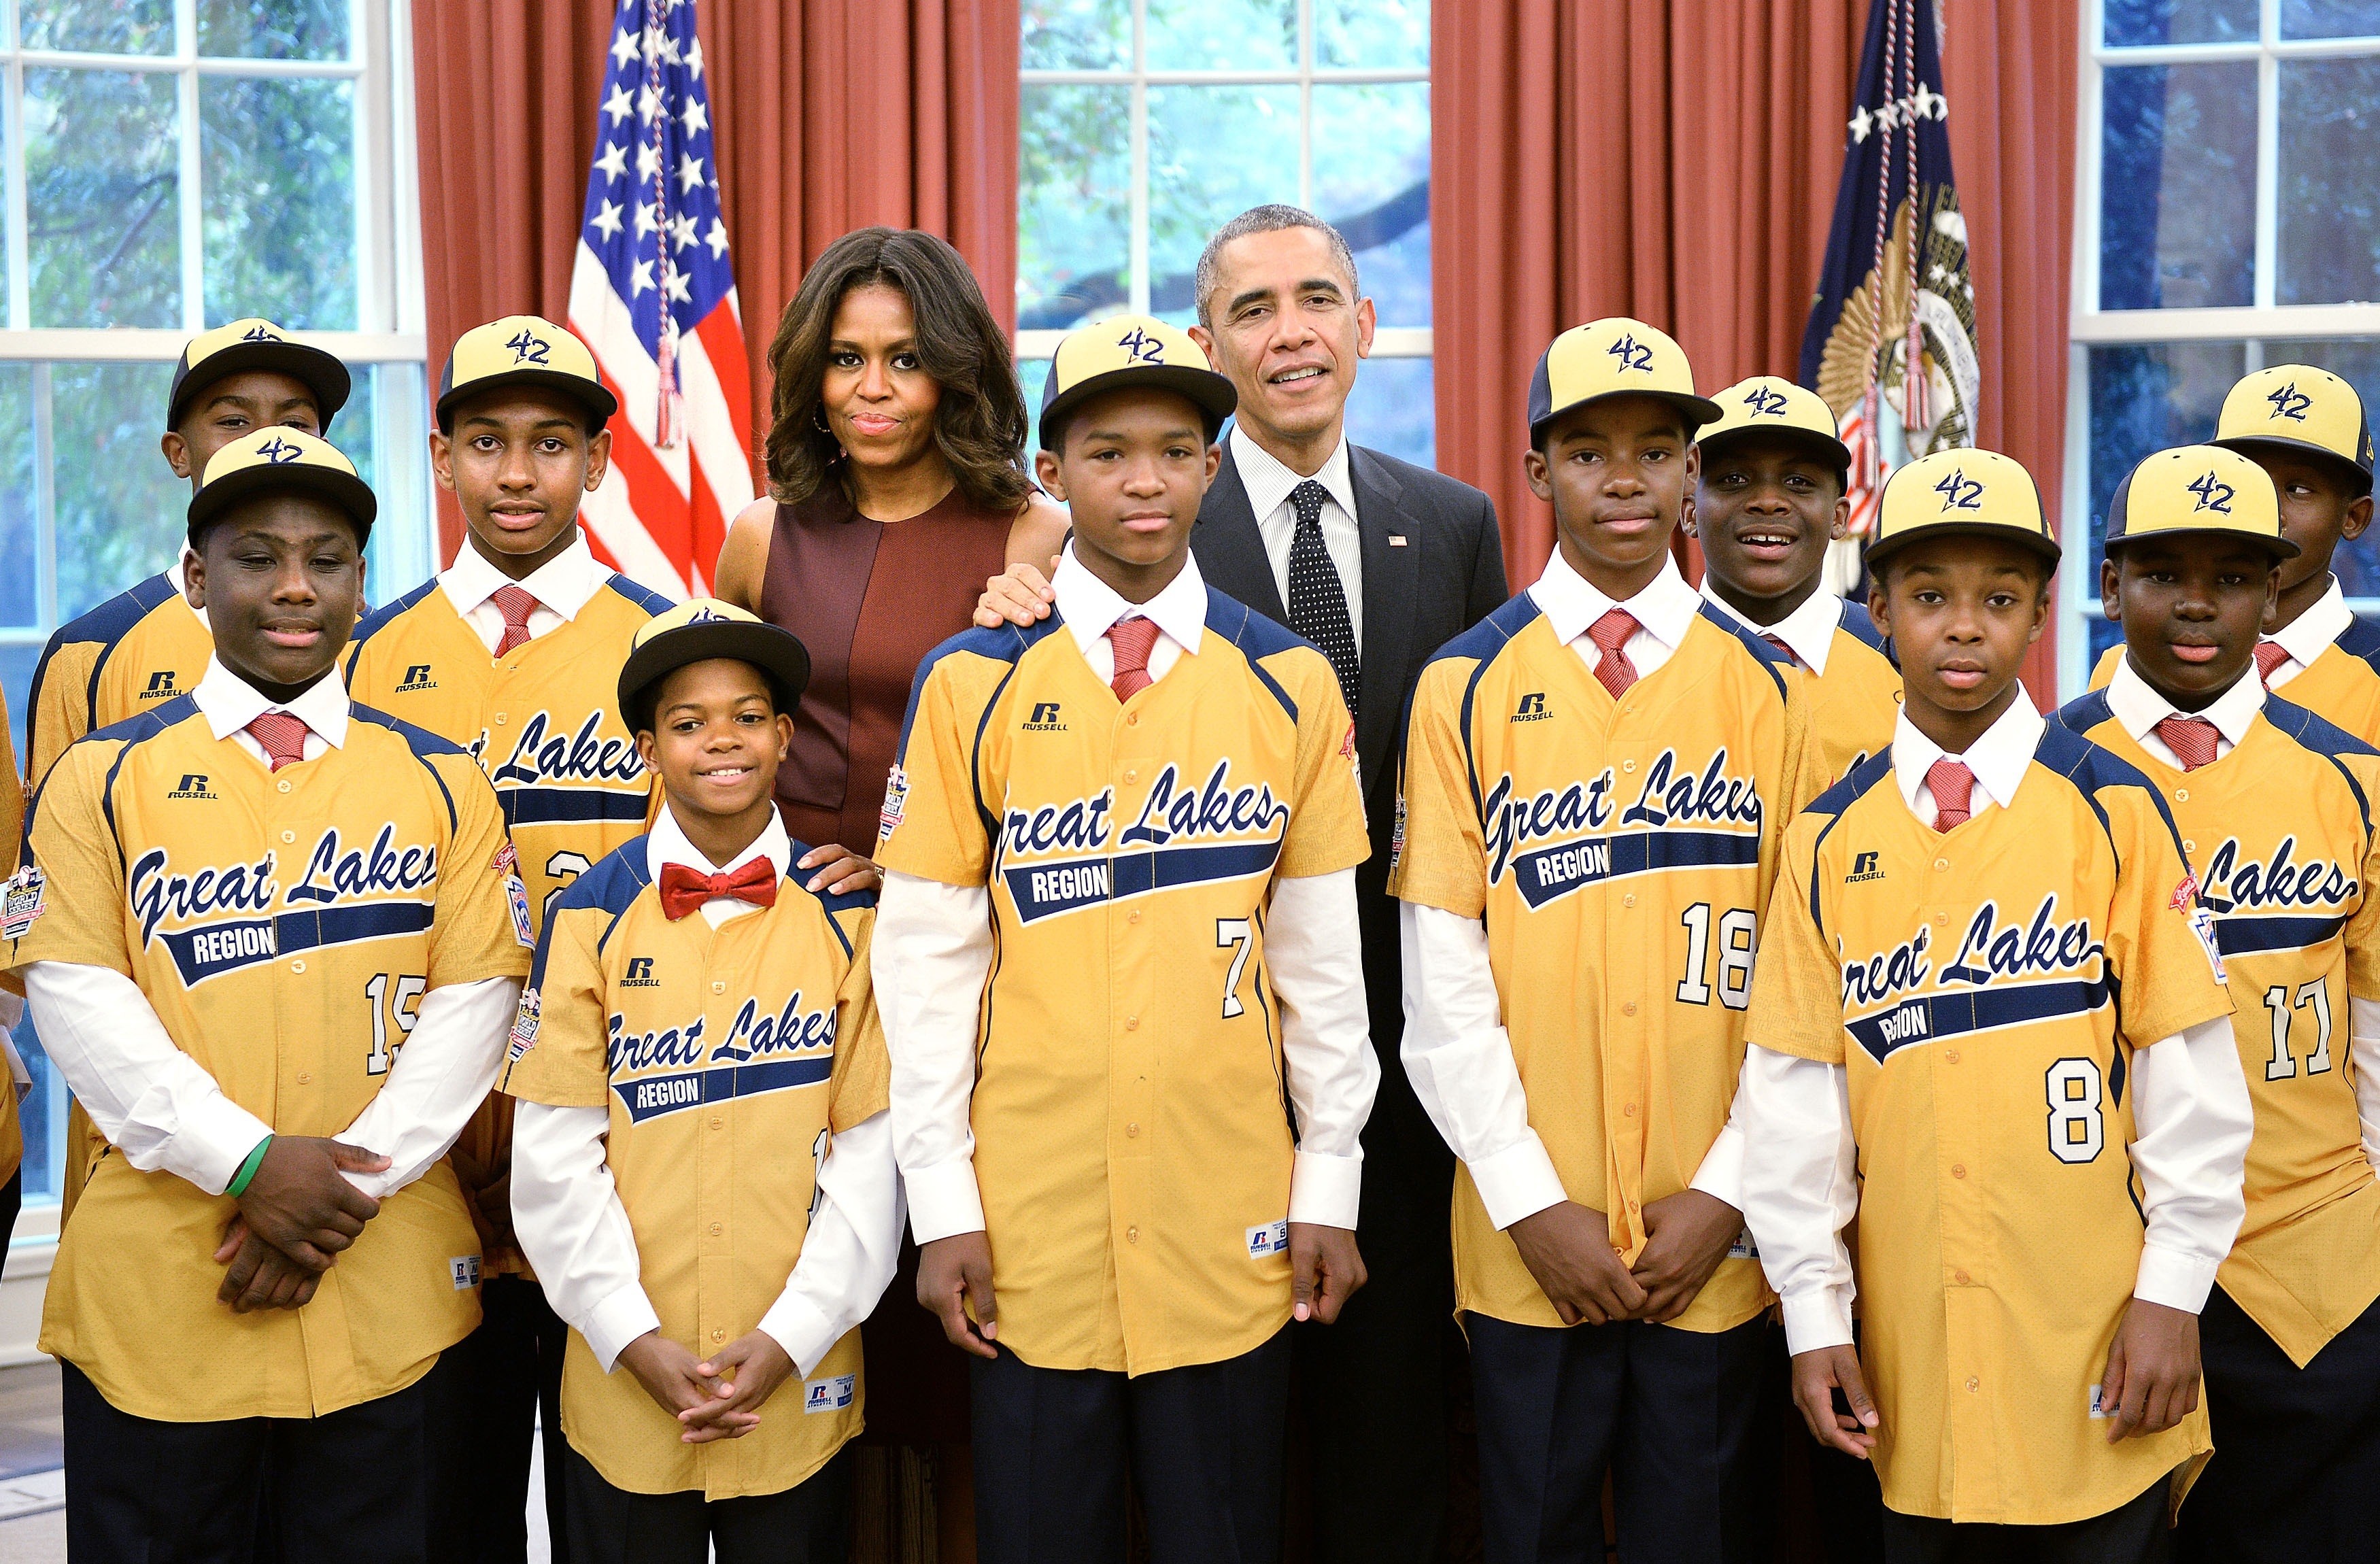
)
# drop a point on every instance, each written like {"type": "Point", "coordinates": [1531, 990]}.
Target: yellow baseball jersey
{"type": "Point", "coordinates": [544, 723]}
{"type": "Point", "coordinates": [2299, 924]}
{"type": "Point", "coordinates": [727, 1057]}
{"type": "Point", "coordinates": [2342, 686]}
{"type": "Point", "coordinates": [1985, 988]}
{"type": "Point", "coordinates": [1134, 1137]}
{"type": "Point", "coordinates": [1855, 702]}
{"type": "Point", "coordinates": [284, 926]}
{"type": "Point", "coordinates": [1620, 852]}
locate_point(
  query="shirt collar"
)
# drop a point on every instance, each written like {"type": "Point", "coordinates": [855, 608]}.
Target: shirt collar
{"type": "Point", "coordinates": [1665, 608]}
{"type": "Point", "coordinates": [667, 843]}
{"type": "Point", "coordinates": [231, 703]}
{"type": "Point", "coordinates": [1998, 759]}
{"type": "Point", "coordinates": [2141, 708]}
{"type": "Point", "coordinates": [2305, 636]}
{"type": "Point", "coordinates": [1808, 631]}
{"type": "Point", "coordinates": [1268, 480]}
{"type": "Point", "coordinates": [562, 584]}
{"type": "Point", "coordinates": [1090, 607]}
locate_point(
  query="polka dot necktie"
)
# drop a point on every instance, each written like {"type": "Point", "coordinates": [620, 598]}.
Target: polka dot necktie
{"type": "Point", "coordinates": [282, 737]}
{"type": "Point", "coordinates": [2269, 656]}
{"type": "Point", "coordinates": [1954, 786]}
{"type": "Point", "coordinates": [1134, 639]}
{"type": "Point", "coordinates": [1317, 599]}
{"type": "Point", "coordinates": [514, 603]}
{"type": "Point", "coordinates": [2191, 739]}
{"type": "Point", "coordinates": [1610, 634]}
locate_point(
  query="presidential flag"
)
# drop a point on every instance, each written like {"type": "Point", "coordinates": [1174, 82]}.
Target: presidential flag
{"type": "Point", "coordinates": [1895, 290]}
{"type": "Point", "coordinates": [653, 295]}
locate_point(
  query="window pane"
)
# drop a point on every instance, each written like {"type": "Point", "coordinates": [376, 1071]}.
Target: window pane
{"type": "Point", "coordinates": [17, 659]}
{"type": "Point", "coordinates": [274, 29]}
{"type": "Point", "coordinates": [2178, 187]}
{"type": "Point", "coordinates": [1371, 178]}
{"type": "Point", "coordinates": [2331, 181]}
{"type": "Point", "coordinates": [1073, 207]}
{"type": "Point", "coordinates": [99, 184]}
{"type": "Point", "coordinates": [1077, 34]}
{"type": "Point", "coordinates": [1222, 34]}
{"type": "Point", "coordinates": [278, 170]}
{"type": "Point", "coordinates": [2356, 361]}
{"type": "Point", "coordinates": [120, 509]}
{"type": "Point", "coordinates": [2104, 633]}
{"type": "Point", "coordinates": [1033, 374]}
{"type": "Point", "coordinates": [1213, 153]}
{"type": "Point", "coordinates": [1395, 409]}
{"type": "Point", "coordinates": [2146, 397]}
{"type": "Point", "coordinates": [102, 26]}
{"type": "Point", "coordinates": [2329, 19]}
{"type": "Point", "coordinates": [2181, 21]}
{"type": "Point", "coordinates": [20, 582]}
{"type": "Point", "coordinates": [1379, 34]}
{"type": "Point", "coordinates": [384, 428]}
{"type": "Point", "coordinates": [43, 1114]}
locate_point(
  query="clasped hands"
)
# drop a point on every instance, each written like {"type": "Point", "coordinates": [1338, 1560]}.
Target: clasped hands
{"type": "Point", "coordinates": [1568, 1249]}
{"type": "Point", "coordinates": [296, 1214]}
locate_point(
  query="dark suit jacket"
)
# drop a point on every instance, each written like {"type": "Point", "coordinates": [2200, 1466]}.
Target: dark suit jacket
{"type": "Point", "coordinates": [1445, 576]}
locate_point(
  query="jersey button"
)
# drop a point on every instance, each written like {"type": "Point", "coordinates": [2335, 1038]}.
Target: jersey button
{"type": "Point", "coordinates": [1132, 776]}
{"type": "Point", "coordinates": [1942, 920]}
{"type": "Point", "coordinates": [718, 987]}
{"type": "Point", "coordinates": [1629, 1110]}
{"type": "Point", "coordinates": [718, 1335]}
{"type": "Point", "coordinates": [719, 1124]}
{"type": "Point", "coordinates": [1973, 1382]}
{"type": "Point", "coordinates": [2190, 846]}
{"type": "Point", "coordinates": [297, 967]}
{"type": "Point", "coordinates": [1951, 1056]}
{"type": "Point", "coordinates": [1628, 765]}
{"type": "Point", "coordinates": [1958, 1169]}
{"type": "Point", "coordinates": [500, 719]}
{"type": "Point", "coordinates": [288, 836]}
{"type": "Point", "coordinates": [304, 1079]}
{"type": "Point", "coordinates": [2181, 795]}
{"type": "Point", "coordinates": [1629, 899]}
{"type": "Point", "coordinates": [1131, 1024]}
{"type": "Point", "coordinates": [284, 785]}
{"type": "Point", "coordinates": [1135, 917]}
{"type": "Point", "coordinates": [1132, 1235]}
{"type": "Point", "coordinates": [1628, 1009]}
{"type": "Point", "coordinates": [1132, 1131]}
{"type": "Point", "coordinates": [1959, 1277]}
{"type": "Point", "coordinates": [1941, 863]}
{"type": "Point", "coordinates": [716, 1230]}
{"type": "Point", "coordinates": [1132, 719]}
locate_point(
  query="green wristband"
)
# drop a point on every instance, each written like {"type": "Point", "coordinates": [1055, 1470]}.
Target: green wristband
{"type": "Point", "coordinates": [239, 1181]}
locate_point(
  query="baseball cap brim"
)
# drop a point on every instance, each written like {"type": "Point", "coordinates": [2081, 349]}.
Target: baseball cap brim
{"type": "Point", "coordinates": [775, 651]}
{"type": "Point", "coordinates": [594, 396]}
{"type": "Point", "coordinates": [318, 372]}
{"type": "Point", "coordinates": [2041, 547]}
{"type": "Point", "coordinates": [1699, 411]}
{"type": "Point", "coordinates": [1208, 391]}
{"type": "Point", "coordinates": [1832, 449]}
{"type": "Point", "coordinates": [345, 489]}
{"type": "Point", "coordinates": [2246, 445]}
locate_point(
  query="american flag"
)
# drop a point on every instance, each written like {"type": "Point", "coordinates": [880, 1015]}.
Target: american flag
{"type": "Point", "coordinates": [653, 293]}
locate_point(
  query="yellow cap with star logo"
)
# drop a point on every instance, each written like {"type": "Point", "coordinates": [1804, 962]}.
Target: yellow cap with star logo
{"type": "Point", "coordinates": [2299, 407]}
{"type": "Point", "coordinates": [698, 631]}
{"type": "Point", "coordinates": [523, 350]}
{"type": "Point", "coordinates": [280, 461]}
{"type": "Point", "coordinates": [1613, 357]}
{"type": "Point", "coordinates": [255, 344]}
{"type": "Point", "coordinates": [1126, 350]}
{"type": "Point", "coordinates": [1962, 493]}
{"type": "Point", "coordinates": [2197, 489]}
{"type": "Point", "coordinates": [1766, 403]}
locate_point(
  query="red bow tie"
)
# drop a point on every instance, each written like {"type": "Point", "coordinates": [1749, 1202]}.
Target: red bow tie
{"type": "Point", "coordinates": [684, 890]}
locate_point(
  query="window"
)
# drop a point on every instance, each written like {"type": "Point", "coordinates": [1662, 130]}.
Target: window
{"type": "Point", "coordinates": [166, 165]}
{"type": "Point", "coordinates": [2227, 217]}
{"type": "Point", "coordinates": [1148, 124]}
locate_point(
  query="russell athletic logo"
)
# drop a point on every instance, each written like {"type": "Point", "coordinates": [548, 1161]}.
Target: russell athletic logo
{"type": "Point", "coordinates": [193, 785]}
{"type": "Point", "coordinates": [1863, 868]}
{"type": "Point", "coordinates": [1044, 718]}
{"type": "Point", "coordinates": [161, 685]}
{"type": "Point", "coordinates": [417, 677]}
{"type": "Point", "coordinates": [1532, 708]}
{"type": "Point", "coordinates": [640, 973]}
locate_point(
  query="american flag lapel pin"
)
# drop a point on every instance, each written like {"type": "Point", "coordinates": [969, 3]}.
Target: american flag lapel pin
{"type": "Point", "coordinates": [1396, 540]}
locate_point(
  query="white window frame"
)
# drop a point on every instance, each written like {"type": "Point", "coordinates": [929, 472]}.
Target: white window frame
{"type": "Point", "coordinates": [1389, 342]}
{"type": "Point", "coordinates": [2264, 327]}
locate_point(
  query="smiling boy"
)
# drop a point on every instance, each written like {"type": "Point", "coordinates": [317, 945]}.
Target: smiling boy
{"type": "Point", "coordinates": [1132, 1142]}
{"type": "Point", "coordinates": [256, 918]}
{"type": "Point", "coordinates": [1988, 1002]}
{"type": "Point", "coordinates": [2275, 807]}
{"type": "Point", "coordinates": [1601, 770]}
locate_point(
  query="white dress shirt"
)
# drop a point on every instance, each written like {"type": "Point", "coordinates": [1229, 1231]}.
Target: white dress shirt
{"type": "Point", "coordinates": [572, 1226]}
{"type": "Point", "coordinates": [1664, 611]}
{"type": "Point", "coordinates": [562, 585]}
{"type": "Point", "coordinates": [2192, 1118]}
{"type": "Point", "coordinates": [933, 952]}
{"type": "Point", "coordinates": [2306, 636]}
{"type": "Point", "coordinates": [163, 1110]}
{"type": "Point", "coordinates": [1269, 482]}
{"type": "Point", "coordinates": [2140, 709]}
{"type": "Point", "coordinates": [1808, 632]}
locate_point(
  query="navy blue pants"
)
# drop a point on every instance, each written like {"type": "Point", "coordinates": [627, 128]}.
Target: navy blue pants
{"type": "Point", "coordinates": [807, 1523]}
{"type": "Point", "coordinates": [2296, 1474]}
{"type": "Point", "coordinates": [1201, 1446]}
{"type": "Point", "coordinates": [2134, 1532]}
{"type": "Point", "coordinates": [1678, 1416]}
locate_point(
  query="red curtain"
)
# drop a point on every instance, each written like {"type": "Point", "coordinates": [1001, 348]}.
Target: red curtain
{"type": "Point", "coordinates": [1676, 160]}
{"type": "Point", "coordinates": [830, 114]}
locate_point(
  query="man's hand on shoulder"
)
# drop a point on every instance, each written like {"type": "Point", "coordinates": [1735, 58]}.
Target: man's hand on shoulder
{"type": "Point", "coordinates": [1020, 595]}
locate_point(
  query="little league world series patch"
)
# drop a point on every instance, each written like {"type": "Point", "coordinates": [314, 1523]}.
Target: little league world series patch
{"type": "Point", "coordinates": [524, 1036]}
{"type": "Point", "coordinates": [507, 864]}
{"type": "Point", "coordinates": [24, 901]}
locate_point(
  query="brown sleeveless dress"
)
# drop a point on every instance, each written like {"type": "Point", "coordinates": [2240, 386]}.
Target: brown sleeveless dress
{"type": "Point", "coordinates": [869, 599]}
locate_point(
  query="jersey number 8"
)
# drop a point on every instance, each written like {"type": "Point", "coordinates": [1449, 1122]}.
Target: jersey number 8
{"type": "Point", "coordinates": [2077, 1129]}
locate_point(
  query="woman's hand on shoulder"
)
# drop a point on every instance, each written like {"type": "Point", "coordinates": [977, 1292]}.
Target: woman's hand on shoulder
{"type": "Point", "coordinates": [743, 557]}
{"type": "Point", "coordinates": [840, 871]}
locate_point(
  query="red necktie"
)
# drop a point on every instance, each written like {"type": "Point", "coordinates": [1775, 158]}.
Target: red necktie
{"type": "Point", "coordinates": [685, 891]}
{"type": "Point", "coordinates": [1134, 639]}
{"type": "Point", "coordinates": [1953, 785]}
{"type": "Point", "coordinates": [1610, 632]}
{"type": "Point", "coordinates": [514, 603]}
{"type": "Point", "coordinates": [2269, 656]}
{"type": "Point", "coordinates": [1779, 642]}
{"type": "Point", "coordinates": [2191, 739]}
{"type": "Point", "coordinates": [282, 736]}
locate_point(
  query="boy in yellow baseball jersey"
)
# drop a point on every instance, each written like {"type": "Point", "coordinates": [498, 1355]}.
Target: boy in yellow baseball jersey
{"type": "Point", "coordinates": [1990, 1018]}
{"type": "Point", "coordinates": [255, 918]}
{"type": "Point", "coordinates": [1595, 779]}
{"type": "Point", "coordinates": [2275, 806]}
{"type": "Point", "coordinates": [148, 643]}
{"type": "Point", "coordinates": [1768, 501]}
{"type": "Point", "coordinates": [512, 651]}
{"type": "Point", "coordinates": [1126, 1006]}
{"type": "Point", "coordinates": [703, 1170]}
{"type": "Point", "coordinates": [2307, 428]}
